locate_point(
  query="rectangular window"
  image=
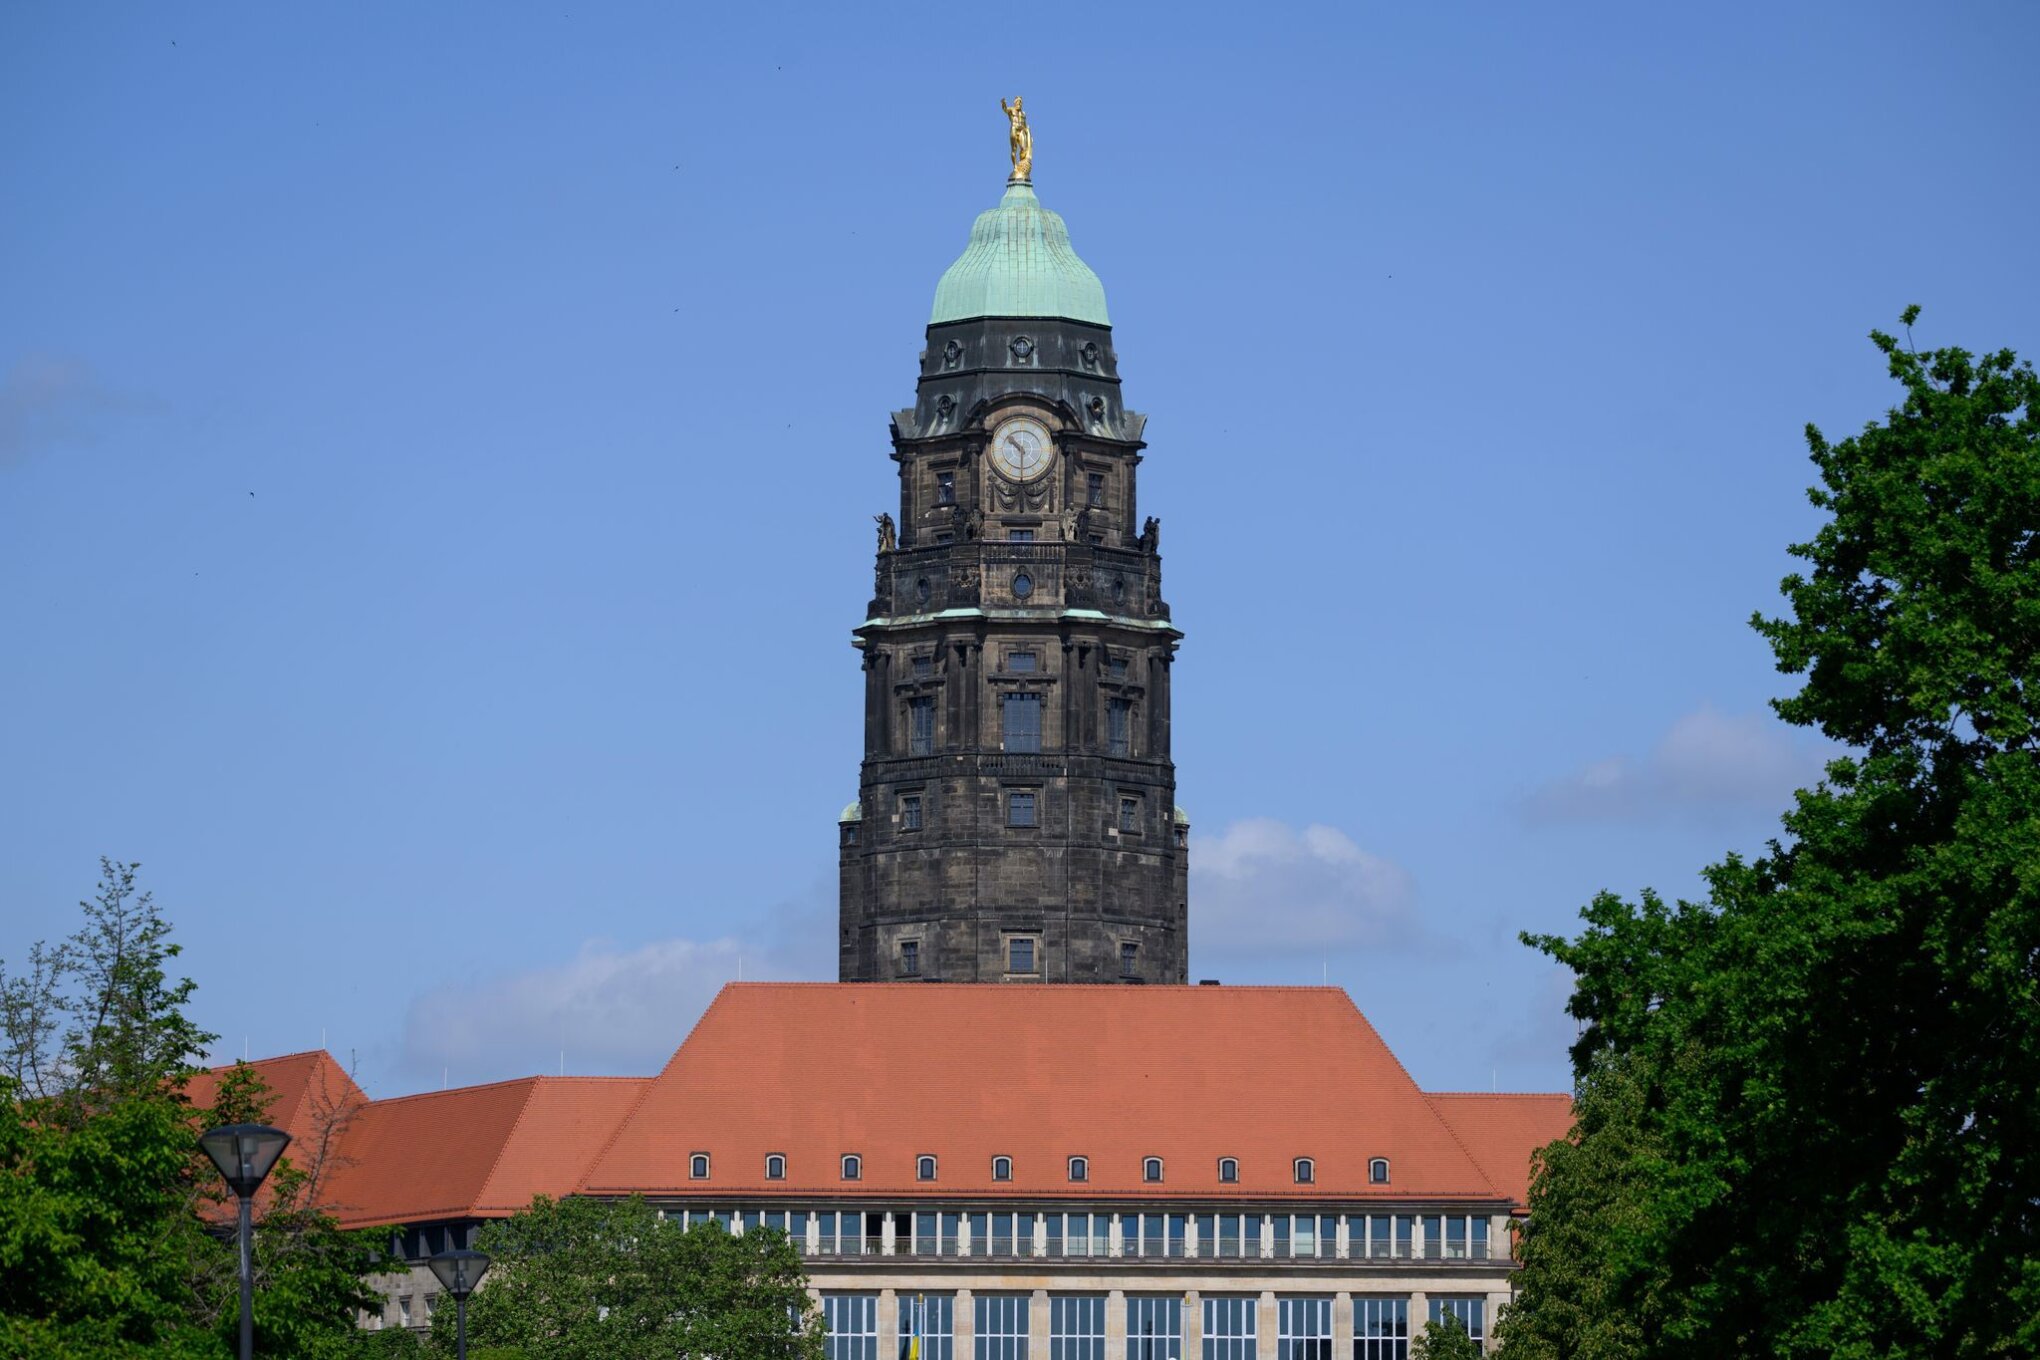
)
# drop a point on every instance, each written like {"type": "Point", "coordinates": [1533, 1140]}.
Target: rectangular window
{"type": "Point", "coordinates": [910, 812]}
{"type": "Point", "coordinates": [1129, 960]}
{"type": "Point", "coordinates": [1389, 1236]}
{"type": "Point", "coordinates": [1019, 535]}
{"type": "Point", "coordinates": [929, 1319]}
{"type": "Point", "coordinates": [1076, 1327]}
{"type": "Point", "coordinates": [1020, 809]}
{"type": "Point", "coordinates": [1129, 815]}
{"type": "Point", "coordinates": [1154, 1328]}
{"type": "Point", "coordinates": [852, 1322]}
{"type": "Point", "coordinates": [945, 488]}
{"type": "Point", "coordinates": [921, 726]}
{"type": "Point", "coordinates": [910, 957]}
{"type": "Point", "coordinates": [1094, 489]}
{"type": "Point", "coordinates": [1001, 1332]}
{"type": "Point", "coordinates": [1021, 661]}
{"type": "Point", "coordinates": [1052, 1231]}
{"type": "Point", "coordinates": [1229, 1328]}
{"type": "Point", "coordinates": [1020, 722]}
{"type": "Point", "coordinates": [404, 1309]}
{"type": "Point", "coordinates": [1020, 955]}
{"type": "Point", "coordinates": [1381, 1329]}
{"type": "Point", "coordinates": [1119, 726]}
{"type": "Point", "coordinates": [1117, 667]}
{"type": "Point", "coordinates": [1470, 1314]}
{"type": "Point", "coordinates": [1304, 1328]}
{"type": "Point", "coordinates": [924, 667]}
{"type": "Point", "coordinates": [1008, 1230]}
{"type": "Point", "coordinates": [1311, 1230]}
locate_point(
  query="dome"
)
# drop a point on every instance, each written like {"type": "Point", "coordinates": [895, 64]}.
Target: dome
{"type": "Point", "coordinates": [853, 813]}
{"type": "Point", "coordinates": [1019, 263]}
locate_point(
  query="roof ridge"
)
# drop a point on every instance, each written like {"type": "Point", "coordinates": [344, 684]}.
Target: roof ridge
{"type": "Point", "coordinates": [453, 1090]}
{"type": "Point", "coordinates": [1498, 1095]}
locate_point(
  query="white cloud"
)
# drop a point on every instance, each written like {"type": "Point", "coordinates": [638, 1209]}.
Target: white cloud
{"type": "Point", "coordinates": [1708, 762]}
{"type": "Point", "coordinates": [47, 402]}
{"type": "Point", "coordinates": [1261, 888]}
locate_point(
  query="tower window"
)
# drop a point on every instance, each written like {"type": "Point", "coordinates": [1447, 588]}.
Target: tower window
{"type": "Point", "coordinates": [853, 1167]}
{"type": "Point", "coordinates": [1023, 585]}
{"type": "Point", "coordinates": [1020, 809]}
{"type": "Point", "coordinates": [1020, 723]}
{"type": "Point", "coordinates": [921, 726]}
{"type": "Point", "coordinates": [1228, 1171]}
{"type": "Point", "coordinates": [1002, 1168]}
{"type": "Point", "coordinates": [1119, 724]}
{"type": "Point", "coordinates": [924, 1167]}
{"type": "Point", "coordinates": [1377, 1171]}
{"type": "Point", "coordinates": [924, 667]}
{"type": "Point", "coordinates": [697, 1166]}
{"type": "Point", "coordinates": [910, 958]}
{"type": "Point", "coordinates": [1129, 815]}
{"type": "Point", "coordinates": [1021, 661]}
{"type": "Point", "coordinates": [910, 812]}
{"type": "Point", "coordinates": [1020, 954]}
{"type": "Point", "coordinates": [1094, 488]}
{"type": "Point", "coordinates": [945, 488]}
{"type": "Point", "coordinates": [1080, 1168]}
{"type": "Point", "coordinates": [1151, 1169]}
{"type": "Point", "coordinates": [775, 1167]}
{"type": "Point", "coordinates": [1129, 959]}
{"type": "Point", "coordinates": [1019, 535]}
{"type": "Point", "coordinates": [1118, 667]}
{"type": "Point", "coordinates": [1306, 1171]}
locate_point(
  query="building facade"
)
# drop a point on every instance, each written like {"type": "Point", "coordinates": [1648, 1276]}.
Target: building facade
{"type": "Point", "coordinates": [1016, 817]}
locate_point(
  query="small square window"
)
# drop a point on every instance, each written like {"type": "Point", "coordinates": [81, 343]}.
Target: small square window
{"type": "Point", "coordinates": [910, 958]}
{"type": "Point", "coordinates": [910, 812]}
{"type": "Point", "coordinates": [945, 488]}
{"type": "Point", "coordinates": [1019, 535]}
{"type": "Point", "coordinates": [1020, 809]}
{"type": "Point", "coordinates": [1094, 488]}
{"type": "Point", "coordinates": [1129, 815]}
{"type": "Point", "coordinates": [1022, 661]}
{"type": "Point", "coordinates": [1020, 955]}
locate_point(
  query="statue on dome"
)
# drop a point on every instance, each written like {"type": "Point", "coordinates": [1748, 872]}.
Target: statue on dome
{"type": "Point", "coordinates": [1020, 139]}
{"type": "Point", "coordinates": [886, 539]}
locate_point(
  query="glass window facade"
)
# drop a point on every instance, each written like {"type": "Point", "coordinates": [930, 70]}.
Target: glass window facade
{"type": "Point", "coordinates": [1455, 1237]}
{"type": "Point", "coordinates": [930, 1319]}
{"type": "Point", "coordinates": [1381, 1329]}
{"type": "Point", "coordinates": [1076, 1327]}
{"type": "Point", "coordinates": [1386, 1236]}
{"type": "Point", "coordinates": [1020, 722]}
{"type": "Point", "coordinates": [852, 1320]}
{"type": "Point", "coordinates": [1001, 1327]}
{"type": "Point", "coordinates": [1304, 1327]}
{"type": "Point", "coordinates": [1229, 1328]}
{"type": "Point", "coordinates": [1154, 1328]}
{"type": "Point", "coordinates": [1469, 1313]}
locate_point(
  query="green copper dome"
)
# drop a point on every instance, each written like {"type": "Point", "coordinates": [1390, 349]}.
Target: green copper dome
{"type": "Point", "coordinates": [1019, 263]}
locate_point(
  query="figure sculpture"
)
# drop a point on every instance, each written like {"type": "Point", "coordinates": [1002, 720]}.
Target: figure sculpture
{"type": "Point", "coordinates": [1151, 535]}
{"type": "Point", "coordinates": [886, 541]}
{"type": "Point", "coordinates": [1020, 140]}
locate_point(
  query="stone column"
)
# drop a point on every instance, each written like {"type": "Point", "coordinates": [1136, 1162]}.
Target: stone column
{"type": "Point", "coordinates": [1040, 1235]}
{"type": "Point", "coordinates": [1343, 1243]}
{"type": "Point", "coordinates": [963, 1326]}
{"type": "Point", "coordinates": [888, 1323]}
{"type": "Point", "coordinates": [1420, 1312]}
{"type": "Point", "coordinates": [1115, 1325]}
{"type": "Point", "coordinates": [1115, 1238]}
{"type": "Point", "coordinates": [1342, 1325]}
{"type": "Point", "coordinates": [888, 1238]}
{"type": "Point", "coordinates": [1037, 1326]}
{"type": "Point", "coordinates": [1267, 1324]}
{"type": "Point", "coordinates": [814, 1233]}
{"type": "Point", "coordinates": [1193, 1326]}
{"type": "Point", "coordinates": [963, 1243]}
{"type": "Point", "coordinates": [1267, 1252]}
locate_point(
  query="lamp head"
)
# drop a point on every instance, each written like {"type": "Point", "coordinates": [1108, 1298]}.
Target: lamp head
{"type": "Point", "coordinates": [244, 1153]}
{"type": "Point", "coordinates": [460, 1271]}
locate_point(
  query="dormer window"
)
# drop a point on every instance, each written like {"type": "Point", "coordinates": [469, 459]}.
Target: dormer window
{"type": "Point", "coordinates": [1306, 1171]}
{"type": "Point", "coordinates": [853, 1167]}
{"type": "Point", "coordinates": [775, 1167]}
{"type": "Point", "coordinates": [1151, 1169]}
{"type": "Point", "coordinates": [924, 1168]}
{"type": "Point", "coordinates": [1002, 1168]}
{"type": "Point", "coordinates": [1228, 1171]}
{"type": "Point", "coordinates": [1377, 1171]}
{"type": "Point", "coordinates": [1080, 1168]}
{"type": "Point", "coordinates": [697, 1166]}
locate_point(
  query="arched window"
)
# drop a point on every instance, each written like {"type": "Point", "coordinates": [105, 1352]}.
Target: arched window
{"type": "Point", "coordinates": [1080, 1168]}
{"type": "Point", "coordinates": [775, 1167]}
{"type": "Point", "coordinates": [1151, 1169]}
{"type": "Point", "coordinates": [924, 1168]}
{"type": "Point", "coordinates": [1306, 1171]}
{"type": "Point", "coordinates": [1228, 1170]}
{"type": "Point", "coordinates": [853, 1167]}
{"type": "Point", "coordinates": [1377, 1171]}
{"type": "Point", "coordinates": [1002, 1168]}
{"type": "Point", "coordinates": [697, 1166]}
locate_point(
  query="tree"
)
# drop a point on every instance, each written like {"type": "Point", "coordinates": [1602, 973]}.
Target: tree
{"type": "Point", "coordinates": [1445, 1339]}
{"type": "Point", "coordinates": [1809, 1107]}
{"type": "Point", "coordinates": [579, 1279]}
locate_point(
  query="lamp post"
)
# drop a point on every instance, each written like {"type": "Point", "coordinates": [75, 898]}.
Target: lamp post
{"type": "Point", "coordinates": [459, 1272]}
{"type": "Point", "coordinates": [244, 1153]}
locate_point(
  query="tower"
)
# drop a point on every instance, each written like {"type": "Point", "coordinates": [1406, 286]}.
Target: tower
{"type": "Point", "coordinates": [1016, 816]}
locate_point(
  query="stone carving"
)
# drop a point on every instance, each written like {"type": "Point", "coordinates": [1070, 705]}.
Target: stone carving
{"type": "Point", "coordinates": [1151, 536]}
{"type": "Point", "coordinates": [1020, 140]}
{"type": "Point", "coordinates": [963, 582]}
{"type": "Point", "coordinates": [1089, 354]}
{"type": "Point", "coordinates": [945, 406]}
{"type": "Point", "coordinates": [952, 354]}
{"type": "Point", "coordinates": [1069, 524]}
{"type": "Point", "coordinates": [1023, 349]}
{"type": "Point", "coordinates": [887, 539]}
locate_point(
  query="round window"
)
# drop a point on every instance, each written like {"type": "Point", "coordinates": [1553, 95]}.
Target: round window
{"type": "Point", "coordinates": [1023, 585]}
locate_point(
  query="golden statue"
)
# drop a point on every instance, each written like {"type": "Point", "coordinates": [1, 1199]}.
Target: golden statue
{"type": "Point", "coordinates": [1021, 140]}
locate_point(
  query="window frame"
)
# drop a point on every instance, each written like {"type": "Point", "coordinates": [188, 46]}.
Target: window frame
{"type": "Point", "coordinates": [852, 1166]}
{"type": "Point", "coordinates": [910, 958]}
{"type": "Point", "coordinates": [1001, 1162]}
{"type": "Point", "coordinates": [1015, 738]}
{"type": "Point", "coordinates": [910, 812]}
{"type": "Point", "coordinates": [945, 486]}
{"type": "Point", "coordinates": [1079, 1169]}
{"type": "Point", "coordinates": [1032, 798]}
{"type": "Point", "coordinates": [1151, 1169]}
{"type": "Point", "coordinates": [1129, 815]}
{"type": "Point", "coordinates": [1033, 946]}
{"type": "Point", "coordinates": [1377, 1171]}
{"type": "Point", "coordinates": [772, 1159]}
{"type": "Point", "coordinates": [1129, 958]}
{"type": "Point", "coordinates": [920, 743]}
{"type": "Point", "coordinates": [1303, 1170]}
{"type": "Point", "coordinates": [1228, 1171]}
{"type": "Point", "coordinates": [698, 1166]}
{"type": "Point", "coordinates": [925, 1166]}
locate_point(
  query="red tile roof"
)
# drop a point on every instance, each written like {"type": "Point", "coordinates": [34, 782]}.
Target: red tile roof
{"type": "Point", "coordinates": [1502, 1131]}
{"type": "Point", "coordinates": [474, 1152]}
{"type": "Point", "coordinates": [1039, 1073]}
{"type": "Point", "coordinates": [302, 1086]}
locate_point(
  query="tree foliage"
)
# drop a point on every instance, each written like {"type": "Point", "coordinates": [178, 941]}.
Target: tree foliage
{"type": "Point", "coordinates": [1809, 1107]}
{"type": "Point", "coordinates": [1445, 1339]}
{"type": "Point", "coordinates": [586, 1279]}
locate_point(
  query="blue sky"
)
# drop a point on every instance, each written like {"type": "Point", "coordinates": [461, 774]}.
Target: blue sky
{"type": "Point", "coordinates": [438, 446]}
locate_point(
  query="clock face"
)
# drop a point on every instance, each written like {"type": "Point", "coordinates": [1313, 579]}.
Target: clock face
{"type": "Point", "coordinates": [1022, 448]}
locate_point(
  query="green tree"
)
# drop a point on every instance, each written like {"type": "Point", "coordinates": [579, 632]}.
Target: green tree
{"type": "Point", "coordinates": [1444, 1340]}
{"type": "Point", "coordinates": [1809, 1107]}
{"type": "Point", "coordinates": [587, 1279]}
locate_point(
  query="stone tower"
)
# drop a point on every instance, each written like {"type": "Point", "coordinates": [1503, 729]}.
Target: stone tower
{"type": "Point", "coordinates": [1016, 817]}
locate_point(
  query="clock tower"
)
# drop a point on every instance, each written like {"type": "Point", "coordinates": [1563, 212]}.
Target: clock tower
{"type": "Point", "coordinates": [1016, 818]}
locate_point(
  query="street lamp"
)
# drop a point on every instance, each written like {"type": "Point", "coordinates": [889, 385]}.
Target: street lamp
{"type": "Point", "coordinates": [459, 1272]}
{"type": "Point", "coordinates": [244, 1153]}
